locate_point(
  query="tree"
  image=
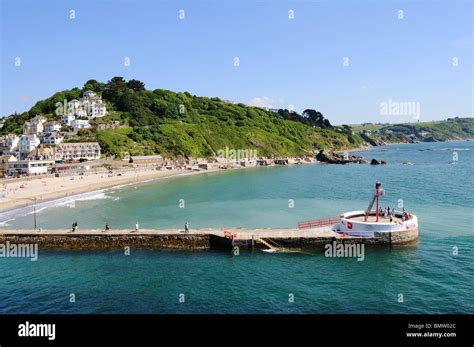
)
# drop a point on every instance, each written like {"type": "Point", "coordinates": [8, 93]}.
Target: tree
{"type": "Point", "coordinates": [93, 85]}
{"type": "Point", "coordinates": [136, 85]}
{"type": "Point", "coordinates": [316, 118]}
{"type": "Point", "coordinates": [114, 89]}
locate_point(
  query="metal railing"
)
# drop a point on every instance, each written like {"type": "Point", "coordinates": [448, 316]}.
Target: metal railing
{"type": "Point", "coordinates": [319, 223]}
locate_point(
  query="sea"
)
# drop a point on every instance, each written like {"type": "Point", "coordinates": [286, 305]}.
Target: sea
{"type": "Point", "coordinates": [432, 180]}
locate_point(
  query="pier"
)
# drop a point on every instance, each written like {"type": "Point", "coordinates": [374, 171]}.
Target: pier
{"type": "Point", "coordinates": [208, 238]}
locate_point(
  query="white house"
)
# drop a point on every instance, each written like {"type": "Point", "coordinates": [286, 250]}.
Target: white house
{"type": "Point", "coordinates": [27, 143]}
{"type": "Point", "coordinates": [74, 108]}
{"type": "Point", "coordinates": [80, 124]}
{"type": "Point", "coordinates": [29, 167]}
{"type": "Point", "coordinates": [89, 94]}
{"type": "Point", "coordinates": [80, 150]}
{"type": "Point", "coordinates": [9, 144]}
{"type": "Point", "coordinates": [92, 104]}
{"type": "Point", "coordinates": [49, 127]}
{"type": "Point", "coordinates": [52, 138]}
{"type": "Point", "coordinates": [67, 120]}
{"type": "Point", "coordinates": [98, 110]}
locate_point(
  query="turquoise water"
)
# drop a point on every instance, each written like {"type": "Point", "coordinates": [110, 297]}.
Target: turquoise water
{"type": "Point", "coordinates": [430, 278]}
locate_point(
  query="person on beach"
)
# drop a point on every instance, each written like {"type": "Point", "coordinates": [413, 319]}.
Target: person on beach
{"type": "Point", "coordinates": [186, 227]}
{"type": "Point", "coordinates": [106, 227]}
{"type": "Point", "coordinates": [75, 226]}
{"type": "Point", "coordinates": [136, 226]}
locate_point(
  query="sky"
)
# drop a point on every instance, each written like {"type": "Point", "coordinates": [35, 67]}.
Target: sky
{"type": "Point", "coordinates": [350, 60]}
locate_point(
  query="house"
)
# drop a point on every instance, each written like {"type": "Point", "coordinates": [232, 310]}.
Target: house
{"type": "Point", "coordinates": [98, 110]}
{"type": "Point", "coordinates": [67, 120]}
{"type": "Point", "coordinates": [80, 124]}
{"type": "Point", "coordinates": [34, 126]}
{"type": "Point", "coordinates": [89, 94]}
{"type": "Point", "coordinates": [79, 150]}
{"type": "Point", "coordinates": [29, 167]}
{"type": "Point", "coordinates": [27, 143]}
{"type": "Point", "coordinates": [89, 105]}
{"type": "Point", "coordinates": [45, 153]}
{"type": "Point", "coordinates": [49, 127]}
{"type": "Point", "coordinates": [146, 160]}
{"type": "Point", "coordinates": [9, 144]}
{"type": "Point", "coordinates": [4, 159]}
{"type": "Point", "coordinates": [52, 138]}
{"type": "Point", "coordinates": [74, 108]}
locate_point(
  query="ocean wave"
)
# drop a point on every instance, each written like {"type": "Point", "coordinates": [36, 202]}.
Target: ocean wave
{"type": "Point", "coordinates": [5, 222]}
{"type": "Point", "coordinates": [38, 210]}
{"type": "Point", "coordinates": [69, 201]}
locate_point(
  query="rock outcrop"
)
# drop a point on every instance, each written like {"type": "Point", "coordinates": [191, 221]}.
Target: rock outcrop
{"type": "Point", "coordinates": [370, 140]}
{"type": "Point", "coordinates": [377, 162]}
{"type": "Point", "coordinates": [331, 157]}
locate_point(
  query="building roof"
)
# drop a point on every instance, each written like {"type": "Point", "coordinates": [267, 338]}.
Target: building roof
{"type": "Point", "coordinates": [6, 158]}
{"type": "Point", "coordinates": [41, 152]}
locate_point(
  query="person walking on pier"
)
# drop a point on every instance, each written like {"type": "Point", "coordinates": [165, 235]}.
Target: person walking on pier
{"type": "Point", "coordinates": [186, 228]}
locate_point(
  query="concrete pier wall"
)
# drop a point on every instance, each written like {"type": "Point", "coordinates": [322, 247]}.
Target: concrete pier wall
{"type": "Point", "coordinates": [204, 239]}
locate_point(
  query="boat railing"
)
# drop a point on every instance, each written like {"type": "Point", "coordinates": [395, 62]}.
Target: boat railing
{"type": "Point", "coordinates": [319, 223]}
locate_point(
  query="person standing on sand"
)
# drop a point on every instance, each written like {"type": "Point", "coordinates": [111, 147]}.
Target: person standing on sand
{"type": "Point", "coordinates": [136, 226]}
{"type": "Point", "coordinates": [75, 226]}
{"type": "Point", "coordinates": [186, 228]}
{"type": "Point", "coordinates": [107, 227]}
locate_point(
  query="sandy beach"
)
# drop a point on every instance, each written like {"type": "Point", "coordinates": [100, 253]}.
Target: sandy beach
{"type": "Point", "coordinates": [27, 191]}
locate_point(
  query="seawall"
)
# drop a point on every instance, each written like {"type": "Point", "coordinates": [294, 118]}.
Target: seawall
{"type": "Point", "coordinates": [200, 239]}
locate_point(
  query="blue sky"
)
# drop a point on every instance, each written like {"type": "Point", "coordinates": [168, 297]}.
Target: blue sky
{"type": "Point", "coordinates": [283, 61]}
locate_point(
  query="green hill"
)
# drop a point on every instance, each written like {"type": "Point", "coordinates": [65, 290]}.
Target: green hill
{"type": "Point", "coordinates": [450, 129]}
{"type": "Point", "coordinates": [184, 125]}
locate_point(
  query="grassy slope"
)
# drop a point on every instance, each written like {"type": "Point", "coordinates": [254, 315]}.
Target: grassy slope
{"type": "Point", "coordinates": [451, 129]}
{"type": "Point", "coordinates": [207, 125]}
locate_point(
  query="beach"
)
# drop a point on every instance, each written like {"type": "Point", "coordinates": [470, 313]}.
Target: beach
{"type": "Point", "coordinates": [35, 189]}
